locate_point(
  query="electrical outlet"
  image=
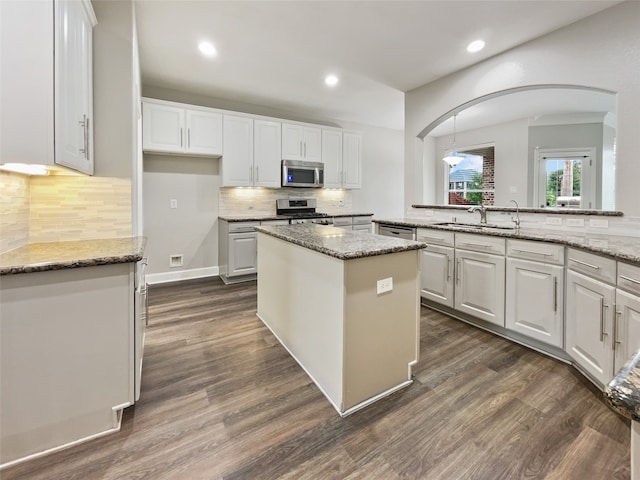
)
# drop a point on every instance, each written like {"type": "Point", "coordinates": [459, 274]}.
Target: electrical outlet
{"type": "Point", "coordinates": [554, 221]}
{"type": "Point", "coordinates": [575, 222]}
{"type": "Point", "coordinates": [173, 203]}
{"type": "Point", "coordinates": [599, 223]}
{"type": "Point", "coordinates": [429, 213]}
{"type": "Point", "coordinates": [175, 260]}
{"type": "Point", "coordinates": [385, 285]}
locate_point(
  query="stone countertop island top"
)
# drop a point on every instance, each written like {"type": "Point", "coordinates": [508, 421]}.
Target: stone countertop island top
{"type": "Point", "coordinates": [623, 392]}
{"type": "Point", "coordinates": [338, 243]}
{"type": "Point", "coordinates": [41, 257]}
{"type": "Point", "coordinates": [618, 247]}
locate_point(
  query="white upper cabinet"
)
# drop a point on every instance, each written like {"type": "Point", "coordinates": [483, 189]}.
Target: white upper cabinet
{"type": "Point", "coordinates": [332, 158]}
{"type": "Point", "coordinates": [251, 153]}
{"type": "Point", "coordinates": [173, 128]}
{"type": "Point", "coordinates": [237, 154]}
{"type": "Point", "coordinates": [46, 83]}
{"type": "Point", "coordinates": [352, 159]}
{"type": "Point", "coordinates": [342, 158]}
{"type": "Point", "coordinates": [301, 142]}
{"type": "Point", "coordinates": [204, 132]}
{"type": "Point", "coordinates": [162, 128]}
{"type": "Point", "coordinates": [267, 153]}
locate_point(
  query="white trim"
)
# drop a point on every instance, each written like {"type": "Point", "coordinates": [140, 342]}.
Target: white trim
{"type": "Point", "coordinates": [117, 423]}
{"type": "Point", "coordinates": [374, 399]}
{"type": "Point", "coordinates": [166, 277]}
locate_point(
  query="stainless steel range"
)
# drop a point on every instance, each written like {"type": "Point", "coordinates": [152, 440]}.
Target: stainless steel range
{"type": "Point", "coordinates": [302, 210]}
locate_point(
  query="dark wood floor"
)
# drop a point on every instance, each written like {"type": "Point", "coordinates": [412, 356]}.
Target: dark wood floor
{"type": "Point", "coordinates": [221, 399]}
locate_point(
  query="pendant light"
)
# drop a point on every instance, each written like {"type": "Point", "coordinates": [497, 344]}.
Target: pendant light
{"type": "Point", "coordinates": [453, 158]}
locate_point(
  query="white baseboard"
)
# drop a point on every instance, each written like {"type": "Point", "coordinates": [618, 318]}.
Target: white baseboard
{"type": "Point", "coordinates": [166, 277]}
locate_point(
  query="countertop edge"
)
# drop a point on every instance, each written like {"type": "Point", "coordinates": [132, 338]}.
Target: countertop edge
{"type": "Point", "coordinates": [135, 255]}
{"type": "Point", "coordinates": [622, 394]}
{"type": "Point", "coordinates": [409, 246]}
{"type": "Point", "coordinates": [628, 258]}
{"type": "Point", "coordinates": [266, 218]}
{"type": "Point", "coordinates": [549, 211]}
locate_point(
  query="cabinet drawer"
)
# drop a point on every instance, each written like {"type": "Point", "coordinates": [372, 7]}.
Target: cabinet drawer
{"type": "Point", "coordinates": [480, 243]}
{"type": "Point", "coordinates": [435, 237]}
{"type": "Point", "coordinates": [536, 251]}
{"type": "Point", "coordinates": [629, 278]}
{"type": "Point", "coordinates": [274, 222]}
{"type": "Point", "coordinates": [239, 227]}
{"type": "Point", "coordinates": [362, 220]}
{"type": "Point", "coordinates": [595, 266]}
{"type": "Point", "coordinates": [342, 221]}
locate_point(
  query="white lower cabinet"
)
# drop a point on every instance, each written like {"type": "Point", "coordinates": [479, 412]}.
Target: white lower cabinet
{"type": "Point", "coordinates": [242, 253]}
{"type": "Point", "coordinates": [626, 335]}
{"type": "Point", "coordinates": [436, 277]}
{"type": "Point", "coordinates": [534, 300]}
{"type": "Point", "coordinates": [589, 321]}
{"type": "Point", "coordinates": [480, 285]}
{"type": "Point", "coordinates": [479, 276]}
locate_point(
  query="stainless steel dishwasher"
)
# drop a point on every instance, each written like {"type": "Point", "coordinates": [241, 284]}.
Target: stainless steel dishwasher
{"type": "Point", "coordinates": [406, 233]}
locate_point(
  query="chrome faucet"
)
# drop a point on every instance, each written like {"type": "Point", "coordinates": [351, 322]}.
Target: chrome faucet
{"type": "Point", "coordinates": [515, 219]}
{"type": "Point", "coordinates": [483, 213]}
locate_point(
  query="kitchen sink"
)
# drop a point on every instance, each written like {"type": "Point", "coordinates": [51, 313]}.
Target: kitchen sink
{"type": "Point", "coordinates": [474, 226]}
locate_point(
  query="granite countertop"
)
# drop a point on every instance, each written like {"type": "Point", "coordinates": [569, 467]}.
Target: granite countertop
{"type": "Point", "coordinates": [623, 392]}
{"type": "Point", "coordinates": [42, 257]}
{"type": "Point", "coordinates": [547, 210]}
{"type": "Point", "coordinates": [259, 217]}
{"type": "Point", "coordinates": [338, 243]}
{"type": "Point", "coordinates": [618, 247]}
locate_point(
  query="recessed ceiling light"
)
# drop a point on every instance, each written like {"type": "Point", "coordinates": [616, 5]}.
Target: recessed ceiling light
{"type": "Point", "coordinates": [207, 49]}
{"type": "Point", "coordinates": [331, 80]}
{"type": "Point", "coordinates": [475, 46]}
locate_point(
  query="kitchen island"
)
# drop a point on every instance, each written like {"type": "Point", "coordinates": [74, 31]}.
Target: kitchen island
{"type": "Point", "coordinates": [345, 304]}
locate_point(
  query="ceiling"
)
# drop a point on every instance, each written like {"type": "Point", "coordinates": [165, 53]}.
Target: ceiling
{"type": "Point", "coordinates": [276, 53]}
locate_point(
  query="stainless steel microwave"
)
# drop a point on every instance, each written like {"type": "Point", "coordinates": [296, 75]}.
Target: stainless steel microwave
{"type": "Point", "coordinates": [296, 173]}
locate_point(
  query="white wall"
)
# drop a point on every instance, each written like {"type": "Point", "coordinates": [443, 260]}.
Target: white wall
{"type": "Point", "coordinates": [191, 229]}
{"type": "Point", "coordinates": [602, 51]}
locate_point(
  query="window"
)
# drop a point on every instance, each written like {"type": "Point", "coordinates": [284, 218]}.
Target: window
{"type": "Point", "coordinates": [471, 180]}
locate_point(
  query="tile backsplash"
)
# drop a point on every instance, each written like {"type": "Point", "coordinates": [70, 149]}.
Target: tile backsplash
{"type": "Point", "coordinates": [14, 210]}
{"type": "Point", "coordinates": [262, 201]}
{"type": "Point", "coordinates": [61, 208]}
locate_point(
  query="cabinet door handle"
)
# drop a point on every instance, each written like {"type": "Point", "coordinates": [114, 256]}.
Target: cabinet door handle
{"type": "Point", "coordinates": [596, 267]}
{"type": "Point", "coordinates": [257, 174]}
{"type": "Point", "coordinates": [458, 272]}
{"type": "Point", "coordinates": [181, 142]}
{"type": "Point", "coordinates": [555, 294]}
{"type": "Point", "coordinates": [632, 280]}
{"type": "Point", "coordinates": [448, 268]}
{"type": "Point", "coordinates": [188, 138]}
{"type": "Point", "coordinates": [83, 124]}
{"type": "Point", "coordinates": [602, 307]}
{"type": "Point", "coordinates": [532, 252]}
{"type": "Point", "coordinates": [87, 137]}
{"type": "Point", "coordinates": [305, 149]}
{"type": "Point", "coordinates": [301, 148]}
{"type": "Point", "coordinates": [616, 328]}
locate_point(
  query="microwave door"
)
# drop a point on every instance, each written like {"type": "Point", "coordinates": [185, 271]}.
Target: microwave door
{"type": "Point", "coordinates": [300, 177]}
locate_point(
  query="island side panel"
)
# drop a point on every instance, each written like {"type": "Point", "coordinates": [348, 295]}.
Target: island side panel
{"type": "Point", "coordinates": [300, 298]}
{"type": "Point", "coordinates": [381, 330]}
{"type": "Point", "coordinates": [66, 356]}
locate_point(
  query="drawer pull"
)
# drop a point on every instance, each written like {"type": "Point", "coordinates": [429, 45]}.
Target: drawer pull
{"type": "Point", "coordinates": [632, 280]}
{"type": "Point", "coordinates": [532, 252]}
{"type": "Point", "coordinates": [596, 267]}
{"type": "Point", "coordinates": [480, 245]}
